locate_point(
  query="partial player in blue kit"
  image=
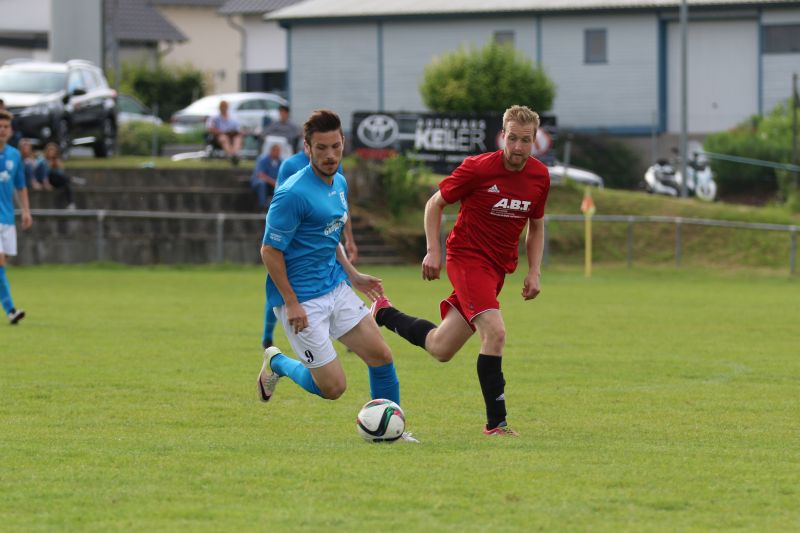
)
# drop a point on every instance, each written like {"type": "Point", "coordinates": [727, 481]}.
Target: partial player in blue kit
{"type": "Point", "coordinates": [288, 168]}
{"type": "Point", "coordinates": [12, 178]}
{"type": "Point", "coordinates": [310, 278]}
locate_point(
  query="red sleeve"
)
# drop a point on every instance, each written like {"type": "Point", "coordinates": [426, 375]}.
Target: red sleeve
{"type": "Point", "coordinates": [460, 183]}
{"type": "Point", "coordinates": [538, 211]}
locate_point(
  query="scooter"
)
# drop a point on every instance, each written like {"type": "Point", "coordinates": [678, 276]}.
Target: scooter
{"type": "Point", "coordinates": [664, 178]}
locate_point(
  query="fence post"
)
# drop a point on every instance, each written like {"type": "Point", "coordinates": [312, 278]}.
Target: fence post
{"type": "Point", "coordinates": [546, 250]}
{"type": "Point", "coordinates": [793, 252]}
{"type": "Point", "coordinates": [220, 237]}
{"type": "Point", "coordinates": [678, 243]}
{"type": "Point", "coordinates": [630, 241]}
{"type": "Point", "coordinates": [101, 240]}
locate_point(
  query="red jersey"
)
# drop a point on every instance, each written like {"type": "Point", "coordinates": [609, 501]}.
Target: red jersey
{"type": "Point", "coordinates": [496, 203]}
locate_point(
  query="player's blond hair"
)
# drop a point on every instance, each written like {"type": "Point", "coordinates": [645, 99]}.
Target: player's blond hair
{"type": "Point", "coordinates": [522, 115]}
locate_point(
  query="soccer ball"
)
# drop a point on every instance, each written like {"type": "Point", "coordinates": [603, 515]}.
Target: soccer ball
{"type": "Point", "coordinates": [380, 421]}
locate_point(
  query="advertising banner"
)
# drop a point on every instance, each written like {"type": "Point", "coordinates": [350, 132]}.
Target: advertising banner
{"type": "Point", "coordinates": [440, 140]}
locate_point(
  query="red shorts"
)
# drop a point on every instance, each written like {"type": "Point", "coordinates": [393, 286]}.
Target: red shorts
{"type": "Point", "coordinates": [476, 286]}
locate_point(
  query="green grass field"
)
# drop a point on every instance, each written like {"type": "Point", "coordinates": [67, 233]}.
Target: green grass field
{"type": "Point", "coordinates": [648, 400]}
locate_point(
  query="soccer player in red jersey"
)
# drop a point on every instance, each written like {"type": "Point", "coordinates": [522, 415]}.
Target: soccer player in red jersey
{"type": "Point", "coordinates": [500, 193]}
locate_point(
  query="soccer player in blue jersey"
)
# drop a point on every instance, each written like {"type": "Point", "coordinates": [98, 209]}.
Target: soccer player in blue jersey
{"type": "Point", "coordinates": [310, 278]}
{"type": "Point", "coordinates": [12, 177]}
{"type": "Point", "coordinates": [288, 168]}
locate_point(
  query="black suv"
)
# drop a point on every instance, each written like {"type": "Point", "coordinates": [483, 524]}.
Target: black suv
{"type": "Point", "coordinates": [69, 103]}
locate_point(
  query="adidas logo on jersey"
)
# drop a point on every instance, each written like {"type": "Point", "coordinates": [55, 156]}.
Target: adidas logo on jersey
{"type": "Point", "coordinates": [494, 188]}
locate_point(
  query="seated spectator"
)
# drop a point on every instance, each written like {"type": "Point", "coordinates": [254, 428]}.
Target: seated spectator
{"type": "Point", "coordinates": [265, 175]}
{"type": "Point", "coordinates": [283, 127]}
{"type": "Point", "coordinates": [226, 132]}
{"type": "Point", "coordinates": [51, 170]}
{"type": "Point", "coordinates": [30, 160]}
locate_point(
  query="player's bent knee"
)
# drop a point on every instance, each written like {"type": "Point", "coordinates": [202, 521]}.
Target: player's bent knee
{"type": "Point", "coordinates": [443, 354]}
{"type": "Point", "coordinates": [333, 391]}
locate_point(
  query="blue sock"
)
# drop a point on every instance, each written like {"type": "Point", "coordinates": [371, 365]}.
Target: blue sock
{"type": "Point", "coordinates": [5, 291]}
{"type": "Point", "coordinates": [294, 370]}
{"type": "Point", "coordinates": [269, 324]}
{"type": "Point", "coordinates": [383, 383]}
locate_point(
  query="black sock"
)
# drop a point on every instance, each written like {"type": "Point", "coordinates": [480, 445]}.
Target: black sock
{"type": "Point", "coordinates": [412, 329]}
{"type": "Point", "coordinates": [490, 375]}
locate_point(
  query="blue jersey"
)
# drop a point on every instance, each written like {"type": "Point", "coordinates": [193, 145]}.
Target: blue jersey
{"type": "Point", "coordinates": [305, 222]}
{"type": "Point", "coordinates": [12, 176]}
{"type": "Point", "coordinates": [291, 165]}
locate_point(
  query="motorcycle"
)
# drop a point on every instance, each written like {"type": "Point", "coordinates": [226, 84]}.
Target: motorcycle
{"type": "Point", "coordinates": [664, 178]}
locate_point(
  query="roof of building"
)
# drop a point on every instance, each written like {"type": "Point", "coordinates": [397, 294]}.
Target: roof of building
{"type": "Point", "coordinates": [244, 7]}
{"type": "Point", "coordinates": [189, 3]}
{"type": "Point", "coordinates": [317, 9]}
{"type": "Point", "coordinates": [138, 20]}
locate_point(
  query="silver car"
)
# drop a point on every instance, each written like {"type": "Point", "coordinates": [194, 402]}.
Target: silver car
{"type": "Point", "coordinates": [248, 109]}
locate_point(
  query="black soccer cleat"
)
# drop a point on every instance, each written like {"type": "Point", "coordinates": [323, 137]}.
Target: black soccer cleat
{"type": "Point", "coordinates": [15, 316]}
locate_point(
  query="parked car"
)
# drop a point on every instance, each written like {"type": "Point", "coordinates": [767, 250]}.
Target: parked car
{"type": "Point", "coordinates": [68, 103]}
{"type": "Point", "coordinates": [129, 109]}
{"type": "Point", "coordinates": [249, 109]}
{"type": "Point", "coordinates": [559, 173]}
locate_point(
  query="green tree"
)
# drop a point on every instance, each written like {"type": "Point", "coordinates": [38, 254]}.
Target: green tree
{"type": "Point", "coordinates": [170, 88]}
{"type": "Point", "coordinates": [768, 138]}
{"type": "Point", "coordinates": [488, 79]}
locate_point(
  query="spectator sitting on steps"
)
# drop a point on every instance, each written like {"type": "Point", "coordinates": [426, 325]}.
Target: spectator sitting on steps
{"type": "Point", "coordinates": [283, 127]}
{"type": "Point", "coordinates": [30, 161]}
{"type": "Point", "coordinates": [265, 175]}
{"type": "Point", "coordinates": [226, 132]}
{"type": "Point", "coordinates": [50, 170]}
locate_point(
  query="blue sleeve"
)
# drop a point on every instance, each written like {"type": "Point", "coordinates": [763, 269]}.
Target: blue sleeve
{"type": "Point", "coordinates": [19, 175]}
{"type": "Point", "coordinates": [283, 218]}
{"type": "Point", "coordinates": [286, 170]}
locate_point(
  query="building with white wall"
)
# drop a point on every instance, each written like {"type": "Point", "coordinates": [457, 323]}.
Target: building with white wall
{"type": "Point", "coordinates": [616, 63]}
{"type": "Point", "coordinates": [262, 43]}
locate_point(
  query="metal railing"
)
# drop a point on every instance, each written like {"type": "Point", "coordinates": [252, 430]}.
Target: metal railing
{"type": "Point", "coordinates": [100, 215]}
{"type": "Point", "coordinates": [679, 223]}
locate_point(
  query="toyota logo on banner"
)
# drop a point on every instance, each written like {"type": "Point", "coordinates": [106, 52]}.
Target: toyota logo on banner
{"type": "Point", "coordinates": [378, 131]}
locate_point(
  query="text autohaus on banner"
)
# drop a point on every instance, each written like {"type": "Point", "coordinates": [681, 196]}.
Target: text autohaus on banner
{"type": "Point", "coordinates": [439, 140]}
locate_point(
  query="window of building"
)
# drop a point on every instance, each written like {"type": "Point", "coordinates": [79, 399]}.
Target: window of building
{"type": "Point", "coordinates": [595, 48]}
{"type": "Point", "coordinates": [504, 37]}
{"type": "Point", "coordinates": [782, 39]}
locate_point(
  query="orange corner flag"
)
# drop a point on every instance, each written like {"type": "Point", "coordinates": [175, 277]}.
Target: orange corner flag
{"type": "Point", "coordinates": [587, 205]}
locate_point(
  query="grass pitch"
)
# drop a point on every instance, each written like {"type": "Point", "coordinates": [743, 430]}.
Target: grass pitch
{"type": "Point", "coordinates": [647, 400]}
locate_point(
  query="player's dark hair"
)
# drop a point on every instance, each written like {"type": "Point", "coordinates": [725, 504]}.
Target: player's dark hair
{"type": "Point", "coordinates": [5, 115]}
{"type": "Point", "coordinates": [321, 121]}
{"type": "Point", "coordinates": [283, 107]}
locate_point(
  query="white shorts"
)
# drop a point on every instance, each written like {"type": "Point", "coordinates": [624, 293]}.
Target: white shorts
{"type": "Point", "coordinates": [8, 239]}
{"type": "Point", "coordinates": [329, 317]}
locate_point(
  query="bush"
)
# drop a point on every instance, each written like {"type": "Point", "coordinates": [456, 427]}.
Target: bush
{"type": "Point", "coordinates": [136, 138]}
{"type": "Point", "coordinates": [618, 165]}
{"type": "Point", "coordinates": [485, 80]}
{"type": "Point", "coordinates": [768, 138]}
{"type": "Point", "coordinates": [168, 89]}
{"type": "Point", "coordinates": [402, 183]}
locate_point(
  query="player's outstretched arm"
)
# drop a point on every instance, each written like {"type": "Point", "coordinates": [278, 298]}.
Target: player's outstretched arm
{"type": "Point", "coordinates": [371, 286]}
{"type": "Point", "coordinates": [534, 248]}
{"type": "Point", "coordinates": [350, 241]}
{"type": "Point", "coordinates": [432, 263]}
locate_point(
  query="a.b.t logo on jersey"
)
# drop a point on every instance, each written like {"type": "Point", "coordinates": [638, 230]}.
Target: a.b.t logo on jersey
{"type": "Point", "coordinates": [511, 208]}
